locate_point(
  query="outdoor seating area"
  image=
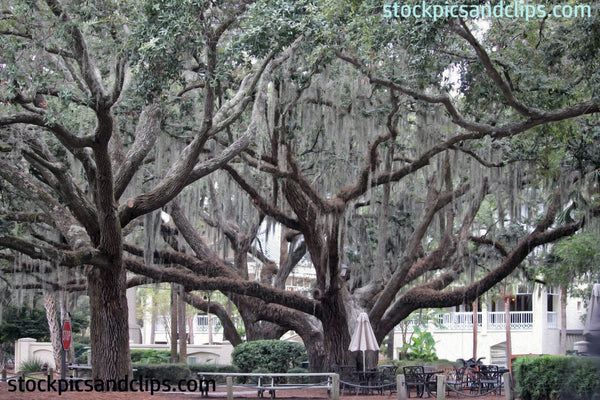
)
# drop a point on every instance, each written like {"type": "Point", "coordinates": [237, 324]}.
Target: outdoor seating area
{"type": "Point", "coordinates": [421, 381]}
{"type": "Point", "coordinates": [475, 380]}
{"type": "Point", "coordinates": [374, 381]}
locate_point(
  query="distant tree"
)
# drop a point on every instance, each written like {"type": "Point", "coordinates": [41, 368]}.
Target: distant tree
{"type": "Point", "coordinates": [23, 322]}
{"type": "Point", "coordinates": [573, 265]}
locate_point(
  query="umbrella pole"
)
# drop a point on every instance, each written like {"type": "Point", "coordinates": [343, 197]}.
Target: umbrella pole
{"type": "Point", "coordinates": [364, 361]}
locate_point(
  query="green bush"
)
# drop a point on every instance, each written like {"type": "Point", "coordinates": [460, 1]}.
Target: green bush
{"type": "Point", "coordinates": [32, 365]}
{"type": "Point", "coordinates": [213, 368]}
{"type": "Point", "coordinates": [298, 379]}
{"type": "Point", "coordinates": [254, 379]}
{"type": "Point", "coordinates": [172, 372]}
{"type": "Point", "coordinates": [440, 363]}
{"type": "Point", "coordinates": [557, 377]}
{"type": "Point", "coordinates": [271, 355]}
{"type": "Point", "coordinates": [150, 356]}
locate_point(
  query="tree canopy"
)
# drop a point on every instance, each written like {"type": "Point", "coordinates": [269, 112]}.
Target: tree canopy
{"type": "Point", "coordinates": [416, 162]}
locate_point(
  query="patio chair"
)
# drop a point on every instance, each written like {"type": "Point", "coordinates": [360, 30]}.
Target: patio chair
{"type": "Point", "coordinates": [415, 377]}
{"type": "Point", "coordinates": [387, 378]}
{"type": "Point", "coordinates": [347, 377]}
{"type": "Point", "coordinates": [489, 379]}
{"type": "Point", "coordinates": [456, 380]}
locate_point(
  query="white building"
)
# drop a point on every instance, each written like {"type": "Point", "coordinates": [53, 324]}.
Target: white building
{"type": "Point", "coordinates": [534, 324]}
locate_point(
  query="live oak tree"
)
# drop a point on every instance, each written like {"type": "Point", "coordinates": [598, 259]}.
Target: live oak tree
{"type": "Point", "coordinates": [85, 91]}
{"type": "Point", "coordinates": [404, 150]}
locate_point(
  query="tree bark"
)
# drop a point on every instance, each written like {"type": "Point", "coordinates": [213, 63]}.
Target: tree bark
{"type": "Point", "coordinates": [336, 337]}
{"type": "Point", "coordinates": [563, 320]}
{"type": "Point", "coordinates": [181, 320]}
{"type": "Point", "coordinates": [109, 331]}
{"type": "Point", "coordinates": [173, 324]}
{"type": "Point", "coordinates": [54, 327]}
{"type": "Point", "coordinates": [390, 345]}
{"type": "Point", "coordinates": [508, 336]}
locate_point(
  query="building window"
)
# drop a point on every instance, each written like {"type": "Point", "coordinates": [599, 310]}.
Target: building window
{"type": "Point", "coordinates": [160, 324]}
{"type": "Point", "coordinates": [521, 302]}
{"type": "Point", "coordinates": [202, 323]}
{"type": "Point", "coordinates": [550, 302]}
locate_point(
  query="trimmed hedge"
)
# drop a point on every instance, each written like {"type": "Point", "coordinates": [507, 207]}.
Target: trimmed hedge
{"type": "Point", "coordinates": [150, 356]}
{"type": "Point", "coordinates": [172, 372]}
{"type": "Point", "coordinates": [176, 372]}
{"type": "Point", "coordinates": [195, 368]}
{"type": "Point", "coordinates": [298, 379]}
{"type": "Point", "coordinates": [271, 355]}
{"type": "Point", "coordinates": [557, 377]}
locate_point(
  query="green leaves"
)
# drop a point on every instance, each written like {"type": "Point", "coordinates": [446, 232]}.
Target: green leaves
{"type": "Point", "coordinates": [572, 259]}
{"type": "Point", "coordinates": [271, 355]}
{"type": "Point", "coordinates": [421, 346]}
{"type": "Point", "coordinates": [545, 377]}
{"type": "Point", "coordinates": [18, 322]}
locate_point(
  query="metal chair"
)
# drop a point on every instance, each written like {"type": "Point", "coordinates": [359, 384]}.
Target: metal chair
{"type": "Point", "coordinates": [489, 379]}
{"type": "Point", "coordinates": [456, 380]}
{"type": "Point", "coordinates": [415, 377]}
{"type": "Point", "coordinates": [388, 377]}
{"type": "Point", "coordinates": [347, 376]}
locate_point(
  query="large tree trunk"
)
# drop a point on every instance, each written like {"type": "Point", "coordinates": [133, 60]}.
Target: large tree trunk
{"type": "Point", "coordinates": [108, 323]}
{"type": "Point", "coordinates": [336, 337]}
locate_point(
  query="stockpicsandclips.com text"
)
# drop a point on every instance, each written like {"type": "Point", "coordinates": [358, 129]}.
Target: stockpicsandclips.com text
{"type": "Point", "coordinates": [146, 385]}
{"type": "Point", "coordinates": [509, 9]}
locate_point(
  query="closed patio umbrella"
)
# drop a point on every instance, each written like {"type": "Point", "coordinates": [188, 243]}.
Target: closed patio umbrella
{"type": "Point", "coordinates": [363, 338]}
{"type": "Point", "coordinates": [591, 332]}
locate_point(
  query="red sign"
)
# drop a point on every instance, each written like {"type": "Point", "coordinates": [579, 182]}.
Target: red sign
{"type": "Point", "coordinates": [66, 335]}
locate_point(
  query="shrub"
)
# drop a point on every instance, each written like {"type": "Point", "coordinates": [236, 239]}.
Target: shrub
{"type": "Point", "coordinates": [150, 356]}
{"type": "Point", "coordinates": [213, 368]}
{"type": "Point", "coordinates": [440, 363]}
{"type": "Point", "coordinates": [271, 355]}
{"type": "Point", "coordinates": [33, 365]}
{"type": "Point", "coordinates": [254, 379]}
{"type": "Point", "coordinates": [298, 379]}
{"type": "Point", "coordinates": [557, 377]}
{"type": "Point", "coordinates": [172, 372]}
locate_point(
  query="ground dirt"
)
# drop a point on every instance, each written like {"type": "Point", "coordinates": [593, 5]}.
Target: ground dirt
{"type": "Point", "coordinates": [7, 392]}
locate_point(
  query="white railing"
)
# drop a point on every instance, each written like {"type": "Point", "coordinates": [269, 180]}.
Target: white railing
{"type": "Point", "coordinates": [518, 320]}
{"type": "Point", "coordinates": [552, 320]}
{"type": "Point", "coordinates": [459, 320]}
{"type": "Point", "coordinates": [410, 324]}
{"type": "Point", "coordinates": [202, 324]}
